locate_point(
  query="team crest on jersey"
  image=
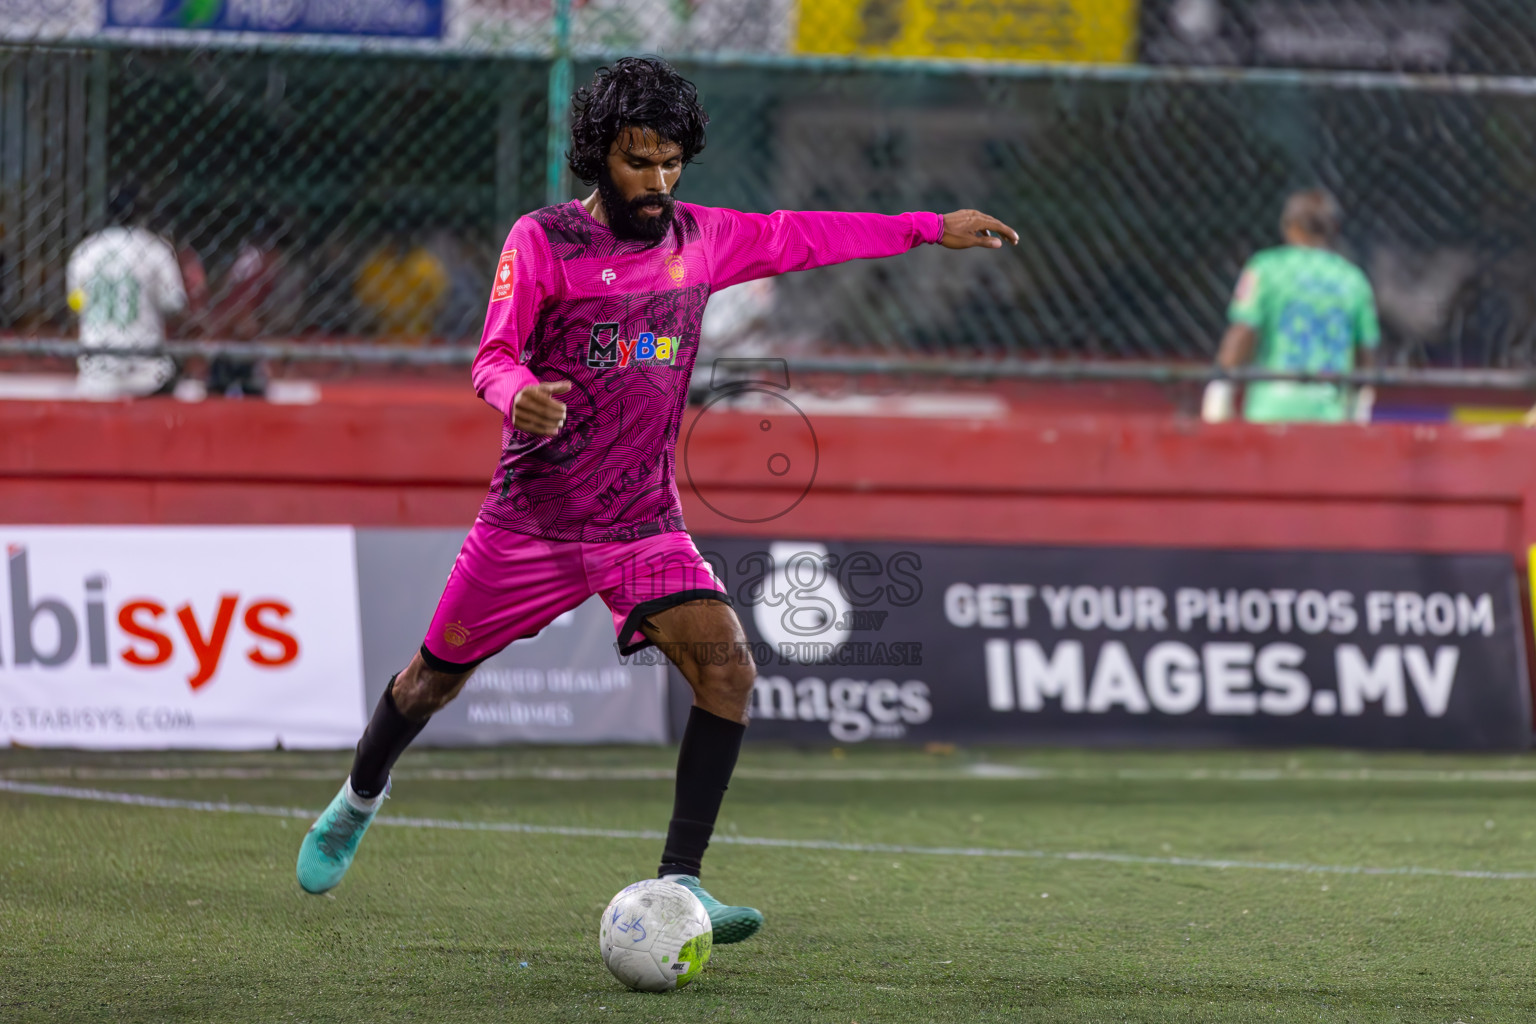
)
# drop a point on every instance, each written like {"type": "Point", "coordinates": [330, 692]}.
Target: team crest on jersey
{"type": "Point", "coordinates": [607, 351]}
{"type": "Point", "coordinates": [455, 634]}
{"type": "Point", "coordinates": [676, 269]}
{"type": "Point", "coordinates": [505, 276]}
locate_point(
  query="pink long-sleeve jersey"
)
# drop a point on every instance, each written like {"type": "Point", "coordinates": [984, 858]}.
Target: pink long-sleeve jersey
{"type": "Point", "coordinates": [619, 319]}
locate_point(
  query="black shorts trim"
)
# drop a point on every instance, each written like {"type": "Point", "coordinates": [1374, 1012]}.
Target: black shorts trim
{"type": "Point", "coordinates": [640, 611]}
{"type": "Point", "coordinates": [437, 664]}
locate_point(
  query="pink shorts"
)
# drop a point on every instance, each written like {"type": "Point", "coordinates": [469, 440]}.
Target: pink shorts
{"type": "Point", "coordinates": [506, 586]}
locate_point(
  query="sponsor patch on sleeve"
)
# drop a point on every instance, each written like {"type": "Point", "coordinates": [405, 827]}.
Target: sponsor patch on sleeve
{"type": "Point", "coordinates": [506, 275]}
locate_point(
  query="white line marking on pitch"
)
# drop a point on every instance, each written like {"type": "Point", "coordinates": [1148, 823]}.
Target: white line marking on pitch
{"type": "Point", "coordinates": [145, 800]}
{"type": "Point", "coordinates": [983, 772]}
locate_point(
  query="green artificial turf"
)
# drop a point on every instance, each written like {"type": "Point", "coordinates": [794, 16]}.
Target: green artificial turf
{"type": "Point", "coordinates": [136, 913]}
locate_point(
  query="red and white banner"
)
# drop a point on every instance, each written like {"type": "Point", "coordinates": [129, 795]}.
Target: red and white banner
{"type": "Point", "coordinates": [185, 636]}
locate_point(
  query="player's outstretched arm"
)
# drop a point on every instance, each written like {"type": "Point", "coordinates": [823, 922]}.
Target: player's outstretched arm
{"type": "Point", "coordinates": [537, 411]}
{"type": "Point", "coordinates": [969, 229]}
{"type": "Point", "coordinates": [748, 246]}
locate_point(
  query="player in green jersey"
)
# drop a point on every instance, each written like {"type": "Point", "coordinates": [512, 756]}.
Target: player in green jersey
{"type": "Point", "coordinates": [1300, 307]}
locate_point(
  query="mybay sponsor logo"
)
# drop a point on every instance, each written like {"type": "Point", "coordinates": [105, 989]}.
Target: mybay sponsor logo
{"type": "Point", "coordinates": [607, 349]}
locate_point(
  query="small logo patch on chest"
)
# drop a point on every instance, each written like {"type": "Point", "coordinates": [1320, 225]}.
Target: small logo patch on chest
{"type": "Point", "coordinates": [608, 275]}
{"type": "Point", "coordinates": [676, 270]}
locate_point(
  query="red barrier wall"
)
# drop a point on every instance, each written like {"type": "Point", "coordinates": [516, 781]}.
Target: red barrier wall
{"type": "Point", "coordinates": [1061, 478]}
{"type": "Point", "coordinates": [424, 456]}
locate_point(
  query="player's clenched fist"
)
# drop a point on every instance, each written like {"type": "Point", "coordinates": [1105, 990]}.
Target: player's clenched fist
{"type": "Point", "coordinates": [964, 229]}
{"type": "Point", "coordinates": [537, 411]}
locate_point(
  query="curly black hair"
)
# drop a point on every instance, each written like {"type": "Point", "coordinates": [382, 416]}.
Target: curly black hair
{"type": "Point", "coordinates": [639, 92]}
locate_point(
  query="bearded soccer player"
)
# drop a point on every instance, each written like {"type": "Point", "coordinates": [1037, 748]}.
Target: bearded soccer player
{"type": "Point", "coordinates": [590, 338]}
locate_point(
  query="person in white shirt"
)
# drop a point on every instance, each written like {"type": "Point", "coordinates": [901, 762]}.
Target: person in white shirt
{"type": "Point", "coordinates": [123, 282]}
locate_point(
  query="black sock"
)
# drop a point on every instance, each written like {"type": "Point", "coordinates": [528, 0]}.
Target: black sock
{"type": "Point", "coordinates": [389, 732]}
{"type": "Point", "coordinates": [705, 761]}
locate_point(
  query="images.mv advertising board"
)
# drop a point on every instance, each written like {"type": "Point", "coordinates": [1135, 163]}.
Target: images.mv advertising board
{"type": "Point", "coordinates": [858, 642]}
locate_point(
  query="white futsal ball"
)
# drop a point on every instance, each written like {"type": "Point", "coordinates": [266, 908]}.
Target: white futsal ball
{"type": "Point", "coordinates": [655, 936]}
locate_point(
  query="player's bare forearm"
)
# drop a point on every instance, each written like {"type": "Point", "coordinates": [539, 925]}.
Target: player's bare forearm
{"type": "Point", "coordinates": [1237, 347]}
{"type": "Point", "coordinates": [967, 229]}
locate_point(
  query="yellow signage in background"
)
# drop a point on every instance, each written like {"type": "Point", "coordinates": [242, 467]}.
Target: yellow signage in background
{"type": "Point", "coordinates": [1530, 568]}
{"type": "Point", "coordinates": [1097, 31]}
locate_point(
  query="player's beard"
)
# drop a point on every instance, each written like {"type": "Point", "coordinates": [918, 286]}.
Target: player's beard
{"type": "Point", "coordinates": [624, 216]}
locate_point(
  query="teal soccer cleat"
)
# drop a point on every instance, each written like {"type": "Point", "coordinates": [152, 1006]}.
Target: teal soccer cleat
{"type": "Point", "coordinates": [331, 843]}
{"type": "Point", "coordinates": [730, 924]}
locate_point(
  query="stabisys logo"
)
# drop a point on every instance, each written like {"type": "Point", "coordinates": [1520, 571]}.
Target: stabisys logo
{"type": "Point", "coordinates": [46, 630]}
{"type": "Point", "coordinates": [607, 351]}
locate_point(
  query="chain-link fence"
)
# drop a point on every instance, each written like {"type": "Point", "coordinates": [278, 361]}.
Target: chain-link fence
{"type": "Point", "coordinates": [357, 185]}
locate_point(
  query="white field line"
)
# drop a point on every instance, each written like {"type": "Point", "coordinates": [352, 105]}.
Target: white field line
{"type": "Point", "coordinates": [144, 800]}
{"type": "Point", "coordinates": [971, 773]}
